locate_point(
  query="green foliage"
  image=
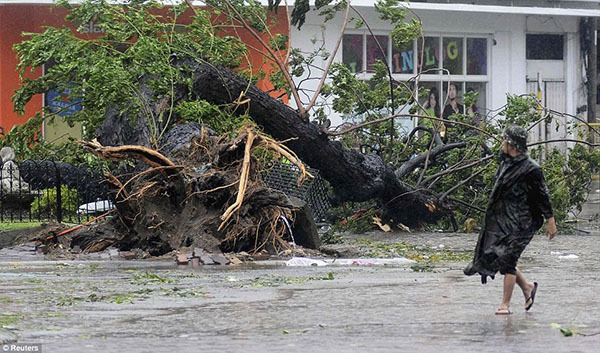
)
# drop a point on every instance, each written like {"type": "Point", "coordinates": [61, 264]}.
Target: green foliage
{"type": "Point", "coordinates": [390, 10]}
{"type": "Point", "coordinates": [150, 278]}
{"type": "Point", "coordinates": [355, 218]}
{"type": "Point", "coordinates": [470, 98]}
{"type": "Point", "coordinates": [142, 38]}
{"type": "Point", "coordinates": [426, 257]}
{"type": "Point", "coordinates": [7, 319]}
{"type": "Point", "coordinates": [461, 177]}
{"type": "Point", "coordinates": [368, 101]}
{"type": "Point", "coordinates": [565, 331]}
{"type": "Point", "coordinates": [252, 11]}
{"type": "Point", "coordinates": [405, 32]}
{"type": "Point", "coordinates": [219, 119]}
{"type": "Point", "coordinates": [25, 141]}
{"type": "Point", "coordinates": [298, 16]}
{"type": "Point", "coordinates": [47, 204]}
{"type": "Point", "coordinates": [327, 9]}
{"type": "Point", "coordinates": [24, 138]}
{"type": "Point", "coordinates": [278, 280]}
{"type": "Point", "coordinates": [139, 41]}
{"type": "Point", "coordinates": [378, 98]}
{"type": "Point", "coordinates": [10, 226]}
{"type": "Point", "coordinates": [347, 89]}
{"type": "Point", "coordinates": [332, 236]}
{"type": "Point", "coordinates": [520, 110]}
{"type": "Point", "coordinates": [569, 177]}
{"type": "Point", "coordinates": [279, 42]}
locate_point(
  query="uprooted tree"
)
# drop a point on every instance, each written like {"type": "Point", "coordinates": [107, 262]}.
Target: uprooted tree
{"type": "Point", "coordinates": [153, 95]}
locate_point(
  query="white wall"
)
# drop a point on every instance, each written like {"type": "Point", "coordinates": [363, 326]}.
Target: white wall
{"type": "Point", "coordinates": [508, 68]}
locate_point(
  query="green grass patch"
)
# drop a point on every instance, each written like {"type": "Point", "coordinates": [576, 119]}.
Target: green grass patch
{"type": "Point", "coordinates": [420, 254]}
{"type": "Point", "coordinates": [8, 226]}
{"type": "Point", "coordinates": [8, 319]}
{"type": "Point", "coordinates": [276, 280]}
{"type": "Point", "coordinates": [146, 278]}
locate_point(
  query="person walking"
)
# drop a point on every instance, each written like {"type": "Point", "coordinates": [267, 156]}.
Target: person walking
{"type": "Point", "coordinates": [518, 204]}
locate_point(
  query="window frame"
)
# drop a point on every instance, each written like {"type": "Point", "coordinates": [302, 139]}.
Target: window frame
{"type": "Point", "coordinates": [363, 72]}
{"type": "Point", "coordinates": [440, 78]}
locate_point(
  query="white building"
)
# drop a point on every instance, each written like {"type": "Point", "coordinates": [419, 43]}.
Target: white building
{"type": "Point", "coordinates": [493, 47]}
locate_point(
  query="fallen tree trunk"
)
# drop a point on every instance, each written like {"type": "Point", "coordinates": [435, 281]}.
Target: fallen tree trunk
{"type": "Point", "coordinates": [354, 176]}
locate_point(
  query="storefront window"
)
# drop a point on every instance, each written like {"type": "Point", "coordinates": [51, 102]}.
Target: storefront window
{"type": "Point", "coordinates": [461, 88]}
{"type": "Point", "coordinates": [464, 59]}
{"type": "Point", "coordinates": [453, 55]}
{"type": "Point", "coordinates": [377, 48]}
{"type": "Point", "coordinates": [458, 55]}
{"type": "Point", "coordinates": [429, 48]}
{"type": "Point", "coordinates": [403, 60]}
{"type": "Point", "coordinates": [352, 52]}
{"type": "Point", "coordinates": [476, 56]}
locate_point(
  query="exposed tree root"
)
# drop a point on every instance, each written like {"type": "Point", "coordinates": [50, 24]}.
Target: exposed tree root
{"type": "Point", "coordinates": [118, 153]}
{"type": "Point", "coordinates": [210, 197]}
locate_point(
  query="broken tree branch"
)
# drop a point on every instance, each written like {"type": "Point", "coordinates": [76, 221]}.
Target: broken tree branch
{"type": "Point", "coordinates": [245, 173]}
{"type": "Point", "coordinates": [118, 153]}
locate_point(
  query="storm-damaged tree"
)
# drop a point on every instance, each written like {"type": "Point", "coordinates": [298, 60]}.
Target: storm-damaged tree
{"type": "Point", "coordinates": [153, 69]}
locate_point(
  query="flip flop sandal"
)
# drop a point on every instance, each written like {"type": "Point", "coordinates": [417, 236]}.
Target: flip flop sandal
{"type": "Point", "coordinates": [531, 297]}
{"type": "Point", "coordinates": [503, 312]}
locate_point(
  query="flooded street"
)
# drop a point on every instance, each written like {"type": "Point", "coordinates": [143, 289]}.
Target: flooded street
{"type": "Point", "coordinates": [156, 306]}
{"type": "Point", "coordinates": [101, 305]}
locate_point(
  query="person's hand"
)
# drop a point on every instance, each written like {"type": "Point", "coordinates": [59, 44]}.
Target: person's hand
{"type": "Point", "coordinates": [551, 228]}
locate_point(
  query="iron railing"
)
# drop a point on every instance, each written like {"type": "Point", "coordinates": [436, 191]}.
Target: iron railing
{"type": "Point", "coordinates": [49, 191]}
{"type": "Point", "coordinates": [315, 192]}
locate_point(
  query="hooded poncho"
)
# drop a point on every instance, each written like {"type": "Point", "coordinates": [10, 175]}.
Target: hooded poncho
{"type": "Point", "coordinates": [516, 210]}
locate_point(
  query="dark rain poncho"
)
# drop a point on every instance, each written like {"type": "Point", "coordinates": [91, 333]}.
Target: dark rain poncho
{"type": "Point", "coordinates": [516, 210]}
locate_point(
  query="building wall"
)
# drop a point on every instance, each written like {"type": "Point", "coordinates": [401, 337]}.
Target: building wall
{"type": "Point", "coordinates": [18, 18]}
{"type": "Point", "coordinates": [14, 20]}
{"type": "Point", "coordinates": [508, 68]}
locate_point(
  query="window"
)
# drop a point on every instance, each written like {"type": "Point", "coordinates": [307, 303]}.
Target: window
{"type": "Point", "coordinates": [476, 56]}
{"type": "Point", "coordinates": [352, 51]}
{"type": "Point", "coordinates": [403, 60]}
{"type": "Point", "coordinates": [440, 59]}
{"type": "Point", "coordinates": [453, 55]}
{"type": "Point", "coordinates": [544, 46]}
{"type": "Point", "coordinates": [457, 55]}
{"type": "Point", "coordinates": [461, 88]}
{"type": "Point", "coordinates": [377, 49]}
{"type": "Point", "coordinates": [429, 47]}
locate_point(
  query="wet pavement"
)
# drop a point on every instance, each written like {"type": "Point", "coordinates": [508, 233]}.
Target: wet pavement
{"type": "Point", "coordinates": [157, 306]}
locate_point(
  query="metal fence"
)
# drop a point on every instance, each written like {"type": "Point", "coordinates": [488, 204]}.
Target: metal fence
{"type": "Point", "coordinates": [49, 191]}
{"type": "Point", "coordinates": [284, 177]}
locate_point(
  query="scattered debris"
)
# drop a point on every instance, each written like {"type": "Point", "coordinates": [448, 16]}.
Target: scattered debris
{"type": "Point", "coordinates": [302, 261]}
{"type": "Point", "coordinates": [564, 256]}
{"type": "Point", "coordinates": [384, 227]}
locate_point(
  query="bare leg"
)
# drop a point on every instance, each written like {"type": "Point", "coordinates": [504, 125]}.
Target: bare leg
{"type": "Point", "coordinates": [526, 287]}
{"type": "Point", "coordinates": [508, 287]}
